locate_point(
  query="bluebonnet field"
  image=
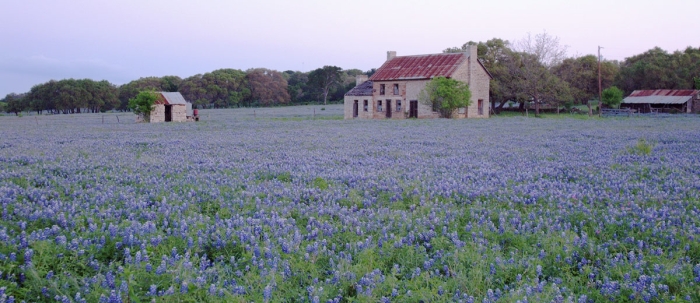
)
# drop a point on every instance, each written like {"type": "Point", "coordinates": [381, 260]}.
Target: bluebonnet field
{"type": "Point", "coordinates": [284, 208]}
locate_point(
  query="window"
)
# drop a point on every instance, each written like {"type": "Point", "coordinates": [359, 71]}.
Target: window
{"type": "Point", "coordinates": [365, 108]}
{"type": "Point", "coordinates": [481, 107]}
{"type": "Point", "coordinates": [396, 89]}
{"type": "Point", "coordinates": [398, 105]}
{"type": "Point", "coordinates": [379, 105]}
{"type": "Point", "coordinates": [381, 89]}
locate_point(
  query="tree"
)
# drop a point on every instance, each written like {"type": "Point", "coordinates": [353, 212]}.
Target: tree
{"type": "Point", "coordinates": [445, 95]}
{"type": "Point", "coordinates": [697, 82]}
{"type": "Point", "coordinates": [297, 86]}
{"type": "Point", "coordinates": [72, 96]}
{"type": "Point", "coordinates": [612, 96]}
{"type": "Point", "coordinates": [324, 79]}
{"type": "Point", "coordinates": [539, 54]}
{"type": "Point", "coordinates": [14, 103]}
{"type": "Point", "coordinates": [267, 87]}
{"type": "Point", "coordinates": [220, 88]}
{"type": "Point", "coordinates": [131, 89]}
{"type": "Point", "coordinates": [581, 74]}
{"type": "Point", "coordinates": [143, 104]}
{"type": "Point", "coordinates": [657, 69]}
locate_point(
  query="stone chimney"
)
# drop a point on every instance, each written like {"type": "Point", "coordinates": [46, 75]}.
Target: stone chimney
{"type": "Point", "coordinates": [359, 79]}
{"type": "Point", "coordinates": [390, 55]}
{"type": "Point", "coordinates": [471, 51]}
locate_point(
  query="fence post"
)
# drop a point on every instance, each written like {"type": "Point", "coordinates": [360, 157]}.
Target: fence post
{"type": "Point", "coordinates": [118, 119]}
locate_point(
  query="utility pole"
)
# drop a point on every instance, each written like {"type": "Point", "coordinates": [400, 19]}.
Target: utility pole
{"type": "Point", "coordinates": [600, 87]}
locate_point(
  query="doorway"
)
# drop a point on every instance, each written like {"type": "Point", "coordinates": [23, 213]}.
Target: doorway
{"type": "Point", "coordinates": [413, 109]}
{"type": "Point", "coordinates": [168, 113]}
{"type": "Point", "coordinates": [388, 108]}
{"type": "Point", "coordinates": [355, 107]}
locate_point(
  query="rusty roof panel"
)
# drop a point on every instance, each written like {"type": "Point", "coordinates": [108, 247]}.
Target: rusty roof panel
{"type": "Point", "coordinates": [664, 92]}
{"type": "Point", "coordinates": [170, 98]}
{"type": "Point", "coordinates": [660, 96]}
{"type": "Point", "coordinates": [419, 67]}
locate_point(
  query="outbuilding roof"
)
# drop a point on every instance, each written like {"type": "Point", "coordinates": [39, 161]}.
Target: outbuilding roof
{"type": "Point", "coordinates": [660, 96]}
{"type": "Point", "coordinates": [171, 98]}
{"type": "Point", "coordinates": [364, 89]}
{"type": "Point", "coordinates": [419, 67]}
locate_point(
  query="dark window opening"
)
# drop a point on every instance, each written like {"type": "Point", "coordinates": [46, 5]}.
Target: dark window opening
{"type": "Point", "coordinates": [398, 105]}
{"type": "Point", "coordinates": [381, 89]}
{"type": "Point", "coordinates": [396, 89]}
{"type": "Point", "coordinates": [379, 105]}
{"type": "Point", "coordinates": [365, 105]}
{"type": "Point", "coordinates": [481, 106]}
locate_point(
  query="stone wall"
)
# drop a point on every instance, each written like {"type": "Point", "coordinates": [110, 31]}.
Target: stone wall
{"type": "Point", "coordinates": [389, 96]}
{"type": "Point", "coordinates": [158, 113]}
{"type": "Point", "coordinates": [361, 113]}
{"type": "Point", "coordinates": [478, 80]}
{"type": "Point", "coordinates": [179, 113]}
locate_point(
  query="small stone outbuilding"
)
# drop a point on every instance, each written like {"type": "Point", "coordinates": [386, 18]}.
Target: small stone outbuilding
{"type": "Point", "coordinates": [170, 107]}
{"type": "Point", "coordinates": [392, 91]}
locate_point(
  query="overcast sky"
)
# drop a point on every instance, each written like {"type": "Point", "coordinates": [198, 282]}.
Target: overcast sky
{"type": "Point", "coordinates": [120, 41]}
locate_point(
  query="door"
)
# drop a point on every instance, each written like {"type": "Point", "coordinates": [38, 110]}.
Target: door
{"type": "Point", "coordinates": [355, 107]}
{"type": "Point", "coordinates": [168, 113]}
{"type": "Point", "coordinates": [388, 108]}
{"type": "Point", "coordinates": [413, 109]}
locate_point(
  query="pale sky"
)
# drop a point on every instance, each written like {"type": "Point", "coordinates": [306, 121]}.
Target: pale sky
{"type": "Point", "coordinates": [120, 41]}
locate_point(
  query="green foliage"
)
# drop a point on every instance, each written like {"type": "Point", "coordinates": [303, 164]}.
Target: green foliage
{"type": "Point", "coordinates": [131, 89]}
{"type": "Point", "coordinates": [697, 82]}
{"type": "Point", "coordinates": [13, 103]}
{"type": "Point", "coordinates": [143, 103]}
{"type": "Point", "coordinates": [72, 96]}
{"type": "Point", "coordinates": [612, 96]}
{"type": "Point", "coordinates": [324, 80]}
{"type": "Point", "coordinates": [642, 148]}
{"type": "Point", "coordinates": [267, 87]}
{"type": "Point", "coordinates": [320, 183]}
{"type": "Point", "coordinates": [445, 95]}
{"type": "Point", "coordinates": [659, 69]}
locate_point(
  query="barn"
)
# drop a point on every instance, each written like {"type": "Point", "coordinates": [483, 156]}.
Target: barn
{"type": "Point", "coordinates": [663, 101]}
{"type": "Point", "coordinates": [170, 107]}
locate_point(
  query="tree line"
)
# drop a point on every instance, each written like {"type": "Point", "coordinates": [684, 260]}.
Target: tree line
{"type": "Point", "coordinates": [221, 88]}
{"type": "Point", "coordinates": [535, 70]}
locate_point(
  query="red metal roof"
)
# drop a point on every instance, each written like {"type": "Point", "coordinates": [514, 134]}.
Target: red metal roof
{"type": "Point", "coordinates": [419, 67]}
{"type": "Point", "coordinates": [660, 96]}
{"type": "Point", "coordinates": [664, 92]}
{"type": "Point", "coordinates": [170, 98]}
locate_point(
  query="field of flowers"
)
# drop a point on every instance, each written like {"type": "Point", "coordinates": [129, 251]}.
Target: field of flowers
{"type": "Point", "coordinates": [274, 206]}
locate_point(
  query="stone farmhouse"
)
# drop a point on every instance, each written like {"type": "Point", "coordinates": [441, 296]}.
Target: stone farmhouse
{"type": "Point", "coordinates": [170, 107]}
{"type": "Point", "coordinates": [392, 91]}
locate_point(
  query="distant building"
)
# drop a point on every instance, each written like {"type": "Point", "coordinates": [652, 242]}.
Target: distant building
{"type": "Point", "coordinates": [170, 107]}
{"type": "Point", "coordinates": [392, 91]}
{"type": "Point", "coordinates": [664, 100]}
